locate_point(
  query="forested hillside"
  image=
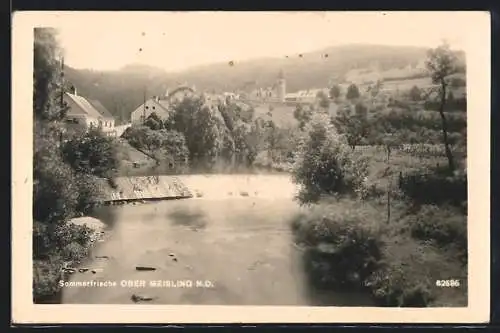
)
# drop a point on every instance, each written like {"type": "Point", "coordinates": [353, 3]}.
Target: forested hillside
{"type": "Point", "coordinates": [123, 90]}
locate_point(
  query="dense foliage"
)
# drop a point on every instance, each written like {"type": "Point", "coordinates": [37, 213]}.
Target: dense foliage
{"type": "Point", "coordinates": [65, 172]}
{"type": "Point", "coordinates": [325, 164]}
{"type": "Point", "coordinates": [91, 153]}
{"type": "Point", "coordinates": [414, 233]}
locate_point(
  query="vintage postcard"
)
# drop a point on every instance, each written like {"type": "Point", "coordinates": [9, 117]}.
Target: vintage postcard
{"type": "Point", "coordinates": [251, 167]}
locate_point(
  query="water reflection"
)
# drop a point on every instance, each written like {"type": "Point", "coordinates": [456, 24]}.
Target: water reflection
{"type": "Point", "coordinates": [195, 219]}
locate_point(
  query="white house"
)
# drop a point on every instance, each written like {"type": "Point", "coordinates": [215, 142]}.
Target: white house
{"type": "Point", "coordinates": [143, 111]}
{"type": "Point", "coordinates": [160, 105]}
{"type": "Point", "coordinates": [85, 113]}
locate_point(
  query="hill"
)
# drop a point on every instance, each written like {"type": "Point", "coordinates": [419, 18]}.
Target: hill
{"type": "Point", "coordinates": [123, 90]}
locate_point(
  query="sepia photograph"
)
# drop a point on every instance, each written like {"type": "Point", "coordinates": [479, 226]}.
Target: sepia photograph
{"type": "Point", "coordinates": [271, 160]}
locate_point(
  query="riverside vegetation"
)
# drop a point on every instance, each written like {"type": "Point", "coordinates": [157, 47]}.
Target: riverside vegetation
{"type": "Point", "coordinates": [386, 216]}
{"type": "Point", "coordinates": [386, 185]}
{"type": "Point", "coordinates": [66, 171]}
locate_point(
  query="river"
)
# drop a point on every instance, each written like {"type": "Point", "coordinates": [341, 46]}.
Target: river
{"type": "Point", "coordinates": [229, 245]}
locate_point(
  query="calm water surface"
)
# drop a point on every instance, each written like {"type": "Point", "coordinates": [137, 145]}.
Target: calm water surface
{"type": "Point", "coordinates": [236, 235]}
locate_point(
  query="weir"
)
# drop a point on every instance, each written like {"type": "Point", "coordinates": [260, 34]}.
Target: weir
{"type": "Point", "coordinates": [130, 189]}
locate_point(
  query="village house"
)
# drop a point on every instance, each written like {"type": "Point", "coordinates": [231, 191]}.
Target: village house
{"type": "Point", "coordinates": [86, 113]}
{"type": "Point", "coordinates": [160, 105]}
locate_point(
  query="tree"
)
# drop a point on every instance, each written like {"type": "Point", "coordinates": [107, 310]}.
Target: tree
{"type": "Point", "coordinates": [441, 63]}
{"type": "Point", "coordinates": [302, 114]}
{"type": "Point", "coordinates": [375, 88]}
{"type": "Point", "coordinates": [154, 122]}
{"type": "Point", "coordinates": [174, 147]}
{"type": "Point", "coordinates": [277, 140]}
{"type": "Point", "coordinates": [323, 100]}
{"type": "Point", "coordinates": [92, 153]}
{"type": "Point", "coordinates": [352, 92]}
{"type": "Point", "coordinates": [415, 94]}
{"type": "Point", "coordinates": [55, 193]}
{"type": "Point", "coordinates": [335, 92]}
{"type": "Point", "coordinates": [325, 165]}
{"type": "Point", "coordinates": [47, 76]}
{"type": "Point", "coordinates": [354, 125]}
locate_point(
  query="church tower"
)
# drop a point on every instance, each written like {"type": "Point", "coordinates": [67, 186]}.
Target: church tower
{"type": "Point", "coordinates": [281, 86]}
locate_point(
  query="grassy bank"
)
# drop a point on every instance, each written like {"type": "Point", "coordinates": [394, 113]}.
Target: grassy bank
{"type": "Point", "coordinates": [57, 251]}
{"type": "Point", "coordinates": [396, 251]}
{"type": "Point", "coordinates": [350, 244]}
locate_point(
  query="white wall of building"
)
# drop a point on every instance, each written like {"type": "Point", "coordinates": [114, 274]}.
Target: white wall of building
{"type": "Point", "coordinates": [145, 110]}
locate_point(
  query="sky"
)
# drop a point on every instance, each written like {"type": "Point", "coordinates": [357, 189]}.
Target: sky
{"type": "Point", "coordinates": [175, 41]}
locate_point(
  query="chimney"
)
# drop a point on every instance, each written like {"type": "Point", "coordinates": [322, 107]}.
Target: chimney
{"type": "Point", "coordinates": [73, 90]}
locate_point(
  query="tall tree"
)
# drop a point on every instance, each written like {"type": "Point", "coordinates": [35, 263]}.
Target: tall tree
{"type": "Point", "coordinates": [302, 114]}
{"type": "Point", "coordinates": [47, 76]}
{"type": "Point", "coordinates": [352, 92]}
{"type": "Point", "coordinates": [334, 91]}
{"type": "Point", "coordinates": [324, 102]}
{"type": "Point", "coordinates": [355, 126]}
{"type": "Point", "coordinates": [415, 94]}
{"type": "Point", "coordinates": [441, 63]}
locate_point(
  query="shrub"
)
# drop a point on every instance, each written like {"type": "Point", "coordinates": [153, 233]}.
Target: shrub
{"type": "Point", "coordinates": [46, 275]}
{"type": "Point", "coordinates": [325, 165]}
{"type": "Point", "coordinates": [407, 275]}
{"type": "Point", "coordinates": [53, 245]}
{"type": "Point", "coordinates": [343, 244]}
{"type": "Point", "coordinates": [65, 233]}
{"type": "Point", "coordinates": [90, 192]}
{"type": "Point", "coordinates": [443, 225]}
{"type": "Point", "coordinates": [394, 286]}
{"type": "Point", "coordinates": [399, 280]}
{"type": "Point", "coordinates": [430, 187]}
{"type": "Point", "coordinates": [92, 153]}
{"type": "Point", "coordinates": [55, 193]}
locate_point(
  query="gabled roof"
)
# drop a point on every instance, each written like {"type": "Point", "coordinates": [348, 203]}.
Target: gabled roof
{"type": "Point", "coordinates": [99, 107]}
{"type": "Point", "coordinates": [87, 107]}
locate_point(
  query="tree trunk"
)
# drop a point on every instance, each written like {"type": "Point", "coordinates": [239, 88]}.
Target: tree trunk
{"type": "Point", "coordinates": [389, 186]}
{"type": "Point", "coordinates": [444, 126]}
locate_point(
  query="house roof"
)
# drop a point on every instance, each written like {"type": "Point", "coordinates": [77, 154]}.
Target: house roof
{"type": "Point", "coordinates": [99, 107]}
{"type": "Point", "coordinates": [87, 107]}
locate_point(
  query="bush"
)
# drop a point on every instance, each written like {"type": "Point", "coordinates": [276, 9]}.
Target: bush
{"type": "Point", "coordinates": [46, 275]}
{"type": "Point", "coordinates": [394, 286]}
{"type": "Point", "coordinates": [343, 244]}
{"type": "Point", "coordinates": [90, 192]}
{"type": "Point", "coordinates": [92, 153]}
{"type": "Point", "coordinates": [431, 187]}
{"type": "Point", "coordinates": [444, 225]}
{"type": "Point", "coordinates": [66, 233]}
{"type": "Point", "coordinates": [55, 193]}
{"type": "Point", "coordinates": [399, 280]}
{"type": "Point", "coordinates": [408, 272]}
{"type": "Point", "coordinates": [53, 246]}
{"type": "Point", "coordinates": [326, 165]}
